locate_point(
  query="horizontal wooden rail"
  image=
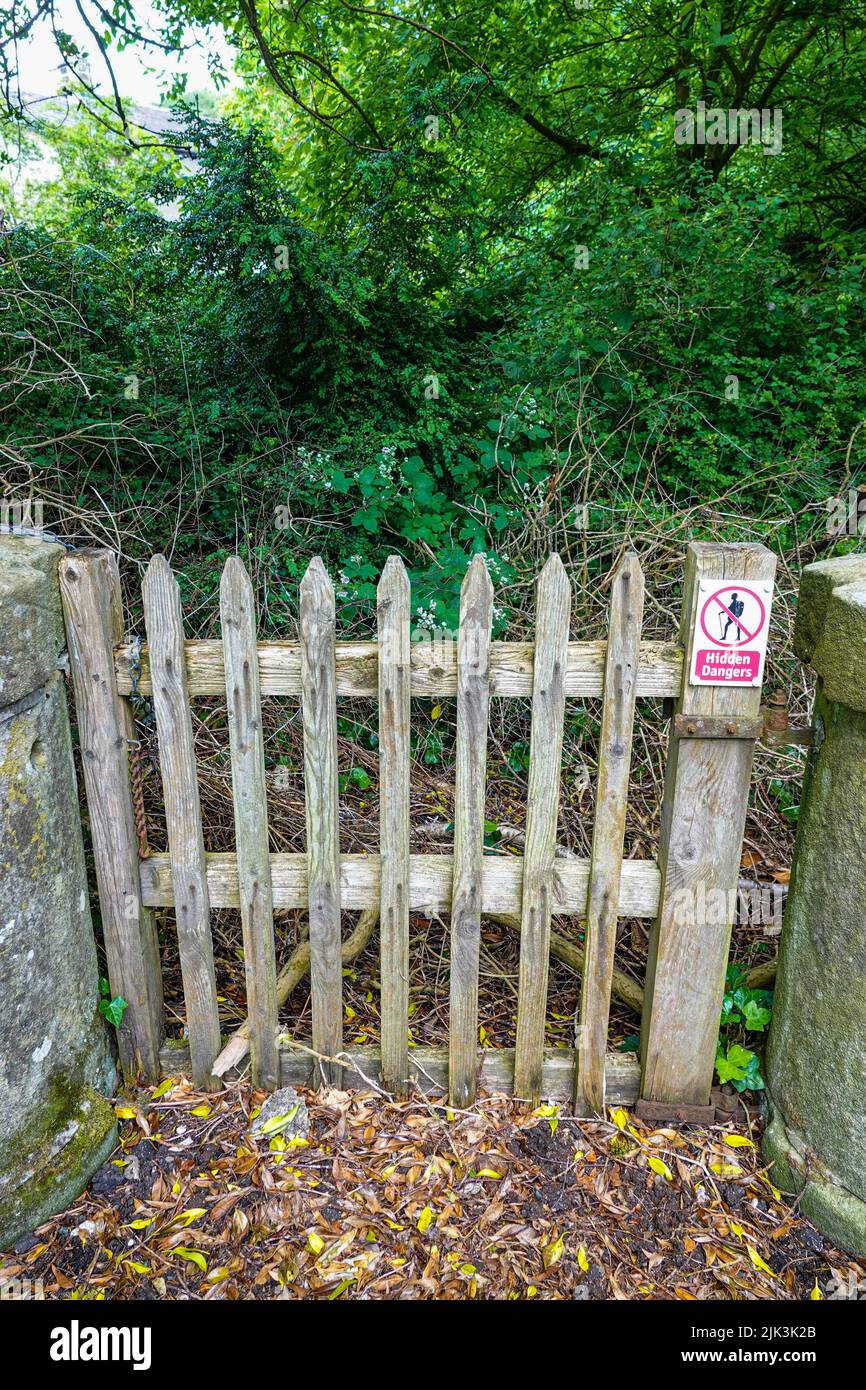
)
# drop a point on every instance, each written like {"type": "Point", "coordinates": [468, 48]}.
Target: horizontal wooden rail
{"type": "Point", "coordinates": [428, 1069]}
{"type": "Point", "coordinates": [434, 668]}
{"type": "Point", "coordinates": [430, 883]}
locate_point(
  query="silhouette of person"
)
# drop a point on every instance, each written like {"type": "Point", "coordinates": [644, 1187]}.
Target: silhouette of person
{"type": "Point", "coordinates": [735, 610]}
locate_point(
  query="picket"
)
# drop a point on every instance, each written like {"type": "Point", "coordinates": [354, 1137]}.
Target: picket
{"type": "Point", "coordinates": [617, 722]}
{"type": "Point", "coordinates": [244, 709]}
{"type": "Point", "coordinates": [319, 710]}
{"type": "Point", "coordinates": [473, 698]}
{"type": "Point", "coordinates": [552, 614]}
{"type": "Point", "coordinates": [392, 602]}
{"type": "Point", "coordinates": [163, 619]}
{"type": "Point", "coordinates": [93, 612]}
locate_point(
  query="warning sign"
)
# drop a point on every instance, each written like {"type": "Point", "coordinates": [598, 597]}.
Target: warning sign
{"type": "Point", "coordinates": [731, 638]}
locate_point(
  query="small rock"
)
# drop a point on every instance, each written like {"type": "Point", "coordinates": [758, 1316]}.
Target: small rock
{"type": "Point", "coordinates": [25, 1244]}
{"type": "Point", "coordinates": [281, 1103]}
{"type": "Point", "coordinates": [107, 1179]}
{"type": "Point", "coordinates": [811, 1239]}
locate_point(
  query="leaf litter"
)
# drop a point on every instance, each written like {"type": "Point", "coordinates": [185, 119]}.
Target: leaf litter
{"type": "Point", "coordinates": [413, 1200]}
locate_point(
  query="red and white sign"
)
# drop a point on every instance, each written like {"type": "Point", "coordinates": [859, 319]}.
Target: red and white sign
{"type": "Point", "coordinates": [731, 638]}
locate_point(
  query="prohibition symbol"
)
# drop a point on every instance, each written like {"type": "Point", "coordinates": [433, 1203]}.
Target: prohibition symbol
{"type": "Point", "coordinates": [731, 609]}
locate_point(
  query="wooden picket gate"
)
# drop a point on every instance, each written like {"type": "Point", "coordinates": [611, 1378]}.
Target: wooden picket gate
{"type": "Point", "coordinates": [713, 730]}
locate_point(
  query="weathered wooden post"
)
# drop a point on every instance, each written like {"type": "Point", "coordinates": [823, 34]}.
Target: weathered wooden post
{"type": "Point", "coordinates": [56, 1066]}
{"type": "Point", "coordinates": [816, 1057]}
{"type": "Point", "coordinates": [93, 610]}
{"type": "Point", "coordinates": [713, 735]}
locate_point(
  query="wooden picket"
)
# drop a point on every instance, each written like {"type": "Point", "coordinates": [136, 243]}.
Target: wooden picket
{"type": "Point", "coordinates": [617, 722]}
{"type": "Point", "coordinates": [685, 963]}
{"type": "Point", "coordinates": [392, 602]}
{"type": "Point", "coordinates": [244, 708]}
{"type": "Point", "coordinates": [163, 618]}
{"type": "Point", "coordinates": [552, 614]}
{"type": "Point", "coordinates": [319, 709]}
{"type": "Point", "coordinates": [473, 699]}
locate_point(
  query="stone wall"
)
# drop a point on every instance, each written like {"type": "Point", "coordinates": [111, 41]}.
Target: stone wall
{"type": "Point", "coordinates": [56, 1063]}
{"type": "Point", "coordinates": [816, 1056]}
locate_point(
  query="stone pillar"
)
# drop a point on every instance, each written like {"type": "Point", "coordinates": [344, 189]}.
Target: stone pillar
{"type": "Point", "coordinates": [816, 1052]}
{"type": "Point", "coordinates": [56, 1064]}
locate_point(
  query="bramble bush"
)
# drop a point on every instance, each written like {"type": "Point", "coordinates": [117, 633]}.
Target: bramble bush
{"type": "Point", "coordinates": [240, 376]}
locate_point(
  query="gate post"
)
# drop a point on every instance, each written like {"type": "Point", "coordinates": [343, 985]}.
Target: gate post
{"type": "Point", "coordinates": [56, 1066]}
{"type": "Point", "coordinates": [93, 609]}
{"type": "Point", "coordinates": [816, 1050]}
{"type": "Point", "coordinates": [703, 818]}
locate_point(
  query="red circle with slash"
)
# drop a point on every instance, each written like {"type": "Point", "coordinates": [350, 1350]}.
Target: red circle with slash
{"type": "Point", "coordinates": [738, 622]}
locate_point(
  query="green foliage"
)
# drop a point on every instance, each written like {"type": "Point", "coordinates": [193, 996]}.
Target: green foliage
{"type": "Point", "coordinates": [786, 796]}
{"type": "Point", "coordinates": [111, 1008]}
{"type": "Point", "coordinates": [470, 297]}
{"type": "Point", "coordinates": [744, 1011]}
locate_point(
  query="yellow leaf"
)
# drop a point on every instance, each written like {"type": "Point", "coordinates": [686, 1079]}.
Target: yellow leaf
{"type": "Point", "coordinates": [142, 1221]}
{"type": "Point", "coordinates": [202, 1111]}
{"type": "Point", "coordinates": [424, 1219]}
{"type": "Point", "coordinates": [738, 1141]}
{"type": "Point", "coordinates": [435, 711]}
{"type": "Point", "coordinates": [582, 1260]}
{"type": "Point", "coordinates": [758, 1262]}
{"type": "Point", "coordinates": [549, 1113]}
{"type": "Point", "coordinates": [195, 1257]}
{"type": "Point", "coordinates": [726, 1170]}
{"type": "Point", "coordinates": [136, 1267]}
{"type": "Point", "coordinates": [315, 1242]}
{"type": "Point", "coordinates": [736, 1230]}
{"type": "Point", "coordinates": [619, 1117]}
{"type": "Point", "coordinates": [552, 1253]}
{"type": "Point", "coordinates": [659, 1166]}
{"type": "Point", "coordinates": [187, 1217]}
{"type": "Point", "coordinates": [816, 1293]}
{"type": "Point", "coordinates": [531, 1291]}
{"type": "Point", "coordinates": [277, 1122]}
{"type": "Point", "coordinates": [163, 1088]}
{"type": "Point", "coordinates": [467, 1269]}
{"type": "Point", "coordinates": [125, 1112]}
{"type": "Point", "coordinates": [488, 1173]}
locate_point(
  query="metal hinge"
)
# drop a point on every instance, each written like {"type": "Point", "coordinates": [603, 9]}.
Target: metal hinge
{"type": "Point", "coordinates": [692, 726]}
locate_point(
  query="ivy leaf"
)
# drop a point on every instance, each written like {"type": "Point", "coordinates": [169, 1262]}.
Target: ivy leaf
{"type": "Point", "coordinates": [113, 1010]}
